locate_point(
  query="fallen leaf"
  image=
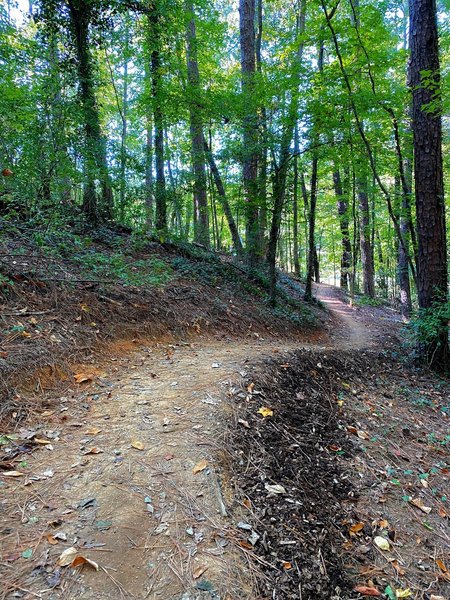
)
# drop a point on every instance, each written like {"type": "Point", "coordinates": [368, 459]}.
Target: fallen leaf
{"type": "Point", "coordinates": [265, 411]}
{"type": "Point", "coordinates": [200, 466]}
{"type": "Point", "coordinates": [433, 597]}
{"type": "Point", "coordinates": [441, 565]}
{"type": "Point", "coordinates": [93, 451]}
{"type": "Point", "coordinates": [365, 590]}
{"type": "Point", "coordinates": [250, 388]}
{"type": "Point", "coordinates": [383, 524]}
{"type": "Point", "coordinates": [287, 566]}
{"type": "Point", "coordinates": [417, 502]}
{"type": "Point", "coordinates": [82, 377]}
{"type": "Point", "coordinates": [274, 489]}
{"type": "Point", "coordinates": [403, 593]}
{"type": "Point", "coordinates": [245, 545]}
{"type": "Point", "coordinates": [198, 572]}
{"type": "Point", "coordinates": [93, 431]}
{"type": "Point", "coordinates": [356, 528]}
{"type": "Point", "coordinates": [137, 445]}
{"type": "Point", "coordinates": [397, 567]}
{"type": "Point", "coordinates": [67, 557]}
{"type": "Point", "coordinates": [169, 457]}
{"type": "Point", "coordinates": [247, 503]}
{"type": "Point", "coordinates": [12, 474]}
{"type": "Point", "coordinates": [28, 553]}
{"type": "Point", "coordinates": [82, 560]}
{"type": "Point", "coordinates": [442, 512]}
{"type": "Point", "coordinates": [41, 441]}
{"type": "Point", "coordinates": [51, 539]}
{"type": "Point", "coordinates": [244, 423]}
{"type": "Point", "coordinates": [382, 543]}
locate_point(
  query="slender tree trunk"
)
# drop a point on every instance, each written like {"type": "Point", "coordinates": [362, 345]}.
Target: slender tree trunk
{"type": "Point", "coordinates": [432, 279]}
{"type": "Point", "coordinates": [224, 200]}
{"type": "Point", "coordinates": [196, 130]}
{"type": "Point", "coordinates": [158, 120]}
{"type": "Point", "coordinates": [249, 128]}
{"type": "Point", "coordinates": [312, 230]}
{"type": "Point", "coordinates": [295, 232]}
{"type": "Point", "coordinates": [95, 162]}
{"type": "Point", "coordinates": [123, 139]}
{"type": "Point", "coordinates": [367, 262]}
{"type": "Point", "coordinates": [342, 208]}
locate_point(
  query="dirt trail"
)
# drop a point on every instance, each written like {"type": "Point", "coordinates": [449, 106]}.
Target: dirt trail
{"type": "Point", "coordinates": [157, 529]}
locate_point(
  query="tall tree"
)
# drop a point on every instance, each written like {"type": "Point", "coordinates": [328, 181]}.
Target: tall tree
{"type": "Point", "coordinates": [95, 161]}
{"type": "Point", "coordinates": [201, 232]}
{"type": "Point", "coordinates": [249, 128]}
{"type": "Point", "coordinates": [432, 278]}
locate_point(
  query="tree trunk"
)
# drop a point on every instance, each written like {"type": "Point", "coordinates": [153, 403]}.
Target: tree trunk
{"type": "Point", "coordinates": [342, 208]}
{"type": "Point", "coordinates": [158, 120]}
{"type": "Point", "coordinates": [249, 128]}
{"type": "Point", "coordinates": [428, 176]}
{"type": "Point", "coordinates": [365, 243]}
{"type": "Point", "coordinates": [201, 234]}
{"type": "Point", "coordinates": [312, 231]}
{"type": "Point", "coordinates": [224, 200]}
{"type": "Point", "coordinates": [95, 163]}
{"type": "Point", "coordinates": [295, 233]}
{"type": "Point", "coordinates": [123, 138]}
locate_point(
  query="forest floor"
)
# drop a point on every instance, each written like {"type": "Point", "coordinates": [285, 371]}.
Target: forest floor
{"type": "Point", "coordinates": [232, 466]}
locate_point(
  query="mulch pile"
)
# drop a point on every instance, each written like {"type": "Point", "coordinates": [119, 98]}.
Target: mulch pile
{"type": "Point", "coordinates": [300, 448]}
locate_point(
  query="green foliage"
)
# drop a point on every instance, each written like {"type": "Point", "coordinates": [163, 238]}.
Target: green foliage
{"type": "Point", "coordinates": [366, 301]}
{"type": "Point", "coordinates": [427, 325]}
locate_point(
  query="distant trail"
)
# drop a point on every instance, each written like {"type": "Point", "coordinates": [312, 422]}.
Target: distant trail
{"type": "Point", "coordinates": [159, 529]}
{"type": "Point", "coordinates": [353, 335]}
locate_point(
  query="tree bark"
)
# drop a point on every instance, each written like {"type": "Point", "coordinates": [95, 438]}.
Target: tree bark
{"type": "Point", "coordinates": [201, 234]}
{"type": "Point", "coordinates": [342, 208]}
{"type": "Point", "coordinates": [249, 128]}
{"type": "Point", "coordinates": [158, 120]}
{"type": "Point", "coordinates": [428, 175]}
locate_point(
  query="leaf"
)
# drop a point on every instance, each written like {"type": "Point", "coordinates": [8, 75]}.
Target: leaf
{"type": "Point", "coordinates": [244, 423]}
{"type": "Point", "coordinates": [82, 560]}
{"type": "Point", "coordinates": [247, 503]}
{"type": "Point", "coordinates": [137, 445]}
{"type": "Point", "coordinates": [93, 451]}
{"type": "Point", "coordinates": [403, 593]}
{"type": "Point", "coordinates": [200, 466]}
{"type": "Point", "coordinates": [51, 539]}
{"type": "Point", "coordinates": [356, 528]}
{"type": "Point", "coordinates": [397, 567]}
{"type": "Point", "coordinates": [41, 441]}
{"type": "Point", "coordinates": [67, 557]}
{"type": "Point", "coordinates": [274, 489]}
{"type": "Point", "coordinates": [12, 474]}
{"type": "Point", "coordinates": [265, 411]}
{"type": "Point", "coordinates": [169, 457]}
{"type": "Point", "coordinates": [365, 590]}
{"type": "Point", "coordinates": [198, 572]}
{"type": "Point", "coordinates": [93, 431]}
{"type": "Point", "coordinates": [28, 553]}
{"type": "Point", "coordinates": [441, 565]}
{"type": "Point", "coordinates": [417, 502]}
{"type": "Point", "coordinates": [245, 545]}
{"type": "Point", "coordinates": [82, 377]}
{"type": "Point", "coordinates": [382, 543]}
{"type": "Point", "coordinates": [250, 387]}
{"type": "Point", "coordinates": [389, 592]}
{"type": "Point", "coordinates": [287, 566]}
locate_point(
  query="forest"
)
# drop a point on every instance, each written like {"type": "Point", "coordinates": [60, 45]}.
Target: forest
{"type": "Point", "coordinates": [310, 137]}
{"type": "Point", "coordinates": [224, 299]}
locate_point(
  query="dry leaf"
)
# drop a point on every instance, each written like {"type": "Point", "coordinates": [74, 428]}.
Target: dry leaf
{"type": "Point", "coordinates": [247, 503]}
{"type": "Point", "coordinates": [356, 528]}
{"type": "Point", "coordinates": [82, 377]}
{"type": "Point", "coordinates": [383, 524]}
{"type": "Point", "coordinates": [265, 411]}
{"type": "Point", "coordinates": [417, 502]}
{"type": "Point", "coordinates": [93, 451]}
{"type": "Point", "coordinates": [433, 597]}
{"type": "Point", "coordinates": [403, 593]}
{"type": "Point", "coordinates": [397, 567]}
{"type": "Point", "coordinates": [441, 565]}
{"type": "Point", "coordinates": [365, 590]}
{"type": "Point", "coordinates": [244, 423]}
{"type": "Point", "coordinates": [137, 445]}
{"type": "Point", "coordinates": [93, 431]}
{"type": "Point", "coordinates": [67, 557]}
{"type": "Point", "coordinates": [287, 566]}
{"type": "Point", "coordinates": [41, 441]}
{"type": "Point", "coordinates": [442, 512]}
{"type": "Point", "coordinates": [198, 572]}
{"type": "Point", "coordinates": [382, 543]}
{"type": "Point", "coordinates": [200, 466]}
{"type": "Point", "coordinates": [51, 539]}
{"type": "Point", "coordinates": [82, 560]}
{"type": "Point", "coordinates": [245, 544]}
{"type": "Point", "coordinates": [12, 474]}
{"type": "Point", "coordinates": [169, 457]}
{"type": "Point", "coordinates": [250, 388]}
{"type": "Point", "coordinates": [274, 490]}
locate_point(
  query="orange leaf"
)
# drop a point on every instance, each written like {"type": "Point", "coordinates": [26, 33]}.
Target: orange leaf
{"type": "Point", "coordinates": [200, 466]}
{"type": "Point", "coordinates": [51, 540]}
{"type": "Point", "coordinates": [81, 560]}
{"type": "Point", "coordinates": [82, 377]}
{"type": "Point", "coordinates": [287, 566]}
{"type": "Point", "coordinates": [441, 565]}
{"type": "Point", "coordinates": [367, 591]}
{"type": "Point", "coordinates": [356, 528]}
{"type": "Point", "coordinates": [199, 571]}
{"type": "Point", "coordinates": [245, 544]}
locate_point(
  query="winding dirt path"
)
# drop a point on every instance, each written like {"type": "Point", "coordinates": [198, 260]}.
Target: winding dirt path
{"type": "Point", "coordinates": [130, 480]}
